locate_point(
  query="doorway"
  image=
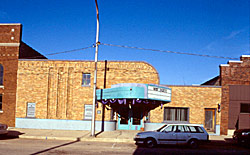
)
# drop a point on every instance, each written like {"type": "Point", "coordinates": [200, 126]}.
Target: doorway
{"type": "Point", "coordinates": [129, 118]}
{"type": "Point", "coordinates": [210, 120]}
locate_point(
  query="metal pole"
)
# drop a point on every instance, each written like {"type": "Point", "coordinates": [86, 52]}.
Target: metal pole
{"type": "Point", "coordinates": [95, 74]}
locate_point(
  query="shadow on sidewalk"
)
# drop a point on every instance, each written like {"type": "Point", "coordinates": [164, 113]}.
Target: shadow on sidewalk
{"type": "Point", "coordinates": [52, 148]}
{"type": "Point", "coordinates": [12, 134]}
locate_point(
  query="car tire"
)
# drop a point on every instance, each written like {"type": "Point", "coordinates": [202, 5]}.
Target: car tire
{"type": "Point", "coordinates": [150, 142]}
{"type": "Point", "coordinates": [193, 143]}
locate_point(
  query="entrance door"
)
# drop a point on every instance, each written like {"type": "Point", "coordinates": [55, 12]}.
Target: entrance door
{"type": "Point", "coordinates": [129, 119]}
{"type": "Point", "coordinates": [210, 119]}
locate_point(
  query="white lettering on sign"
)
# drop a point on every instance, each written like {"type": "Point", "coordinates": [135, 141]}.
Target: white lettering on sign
{"type": "Point", "coordinates": [159, 93]}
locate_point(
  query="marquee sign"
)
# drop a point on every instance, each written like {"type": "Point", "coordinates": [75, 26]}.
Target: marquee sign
{"type": "Point", "coordinates": [159, 93]}
{"type": "Point", "coordinates": [135, 91]}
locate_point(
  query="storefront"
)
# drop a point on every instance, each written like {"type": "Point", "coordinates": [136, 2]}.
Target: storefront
{"type": "Point", "coordinates": [132, 102]}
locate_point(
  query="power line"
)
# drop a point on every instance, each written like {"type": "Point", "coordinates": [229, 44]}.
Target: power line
{"type": "Point", "coordinates": [69, 51]}
{"type": "Point", "coordinates": [156, 50]}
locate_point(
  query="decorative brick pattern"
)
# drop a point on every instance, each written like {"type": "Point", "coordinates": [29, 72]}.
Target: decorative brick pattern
{"type": "Point", "coordinates": [56, 86]}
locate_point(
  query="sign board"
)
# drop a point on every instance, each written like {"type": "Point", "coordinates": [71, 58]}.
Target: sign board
{"type": "Point", "coordinates": [156, 92]}
{"type": "Point", "coordinates": [31, 109]}
{"type": "Point", "coordinates": [88, 111]}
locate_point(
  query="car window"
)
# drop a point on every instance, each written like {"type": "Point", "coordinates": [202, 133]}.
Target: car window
{"type": "Point", "coordinates": [199, 129]}
{"type": "Point", "coordinates": [181, 128]}
{"type": "Point", "coordinates": [186, 128]}
{"type": "Point", "coordinates": [192, 129]}
{"type": "Point", "coordinates": [196, 129]}
{"type": "Point", "coordinates": [161, 128]}
{"type": "Point", "coordinates": [168, 129]}
{"type": "Point", "coordinates": [174, 127]}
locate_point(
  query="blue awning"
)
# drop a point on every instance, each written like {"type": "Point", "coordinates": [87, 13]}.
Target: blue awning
{"type": "Point", "coordinates": [136, 92]}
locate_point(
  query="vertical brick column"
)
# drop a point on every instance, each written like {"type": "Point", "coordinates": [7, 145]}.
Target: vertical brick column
{"type": "Point", "coordinates": [10, 38]}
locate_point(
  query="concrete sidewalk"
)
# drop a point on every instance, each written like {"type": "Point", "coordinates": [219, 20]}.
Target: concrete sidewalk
{"type": "Point", "coordinates": [74, 135]}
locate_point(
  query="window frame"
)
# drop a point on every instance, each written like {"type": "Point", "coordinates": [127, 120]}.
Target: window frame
{"type": "Point", "coordinates": [175, 121]}
{"type": "Point", "coordinates": [1, 102]}
{"type": "Point", "coordinates": [84, 78]}
{"type": "Point", "coordinates": [1, 74]}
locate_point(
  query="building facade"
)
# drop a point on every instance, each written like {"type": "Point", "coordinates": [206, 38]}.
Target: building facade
{"type": "Point", "coordinates": [62, 91]}
{"type": "Point", "coordinates": [235, 102]}
{"type": "Point", "coordinates": [58, 94]}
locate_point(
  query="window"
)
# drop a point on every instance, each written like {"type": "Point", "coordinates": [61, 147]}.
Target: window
{"type": "Point", "coordinates": [1, 102]}
{"type": "Point", "coordinates": [1, 74]}
{"type": "Point", "coordinates": [244, 108]}
{"type": "Point", "coordinates": [175, 114]}
{"type": "Point", "coordinates": [86, 79]}
{"type": "Point", "coordinates": [195, 129]}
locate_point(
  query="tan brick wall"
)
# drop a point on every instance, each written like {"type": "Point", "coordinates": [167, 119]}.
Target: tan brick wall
{"type": "Point", "coordinates": [233, 74]}
{"type": "Point", "coordinates": [9, 34]}
{"type": "Point", "coordinates": [56, 86]}
{"type": "Point", "coordinates": [195, 98]}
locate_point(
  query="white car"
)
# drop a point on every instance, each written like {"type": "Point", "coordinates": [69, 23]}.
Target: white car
{"type": "Point", "coordinates": [3, 129]}
{"type": "Point", "coordinates": [190, 134]}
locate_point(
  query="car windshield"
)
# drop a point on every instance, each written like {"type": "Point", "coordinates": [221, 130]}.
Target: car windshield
{"type": "Point", "coordinates": [158, 130]}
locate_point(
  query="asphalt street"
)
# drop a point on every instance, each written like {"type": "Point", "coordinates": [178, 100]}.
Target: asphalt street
{"type": "Point", "coordinates": [13, 146]}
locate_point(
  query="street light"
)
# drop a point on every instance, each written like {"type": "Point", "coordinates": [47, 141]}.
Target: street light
{"type": "Point", "coordinates": [95, 74]}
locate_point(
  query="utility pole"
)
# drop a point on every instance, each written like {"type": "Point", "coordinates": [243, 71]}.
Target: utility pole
{"type": "Point", "coordinates": [95, 74]}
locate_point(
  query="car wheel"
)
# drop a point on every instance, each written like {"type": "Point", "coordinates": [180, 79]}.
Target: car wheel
{"type": "Point", "coordinates": [193, 143]}
{"type": "Point", "coordinates": [150, 143]}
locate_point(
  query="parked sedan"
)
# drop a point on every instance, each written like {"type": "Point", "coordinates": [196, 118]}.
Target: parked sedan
{"type": "Point", "coordinates": [190, 134]}
{"type": "Point", "coordinates": [242, 136]}
{"type": "Point", "coordinates": [3, 129]}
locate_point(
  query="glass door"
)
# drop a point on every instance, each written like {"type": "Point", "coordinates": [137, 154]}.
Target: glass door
{"type": "Point", "coordinates": [129, 119]}
{"type": "Point", "coordinates": [210, 119]}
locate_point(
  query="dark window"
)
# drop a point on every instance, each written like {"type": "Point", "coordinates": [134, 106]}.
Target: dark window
{"type": "Point", "coordinates": [244, 108]}
{"type": "Point", "coordinates": [1, 102]}
{"type": "Point", "coordinates": [86, 79]}
{"type": "Point", "coordinates": [175, 114]}
{"type": "Point", "coordinates": [1, 74]}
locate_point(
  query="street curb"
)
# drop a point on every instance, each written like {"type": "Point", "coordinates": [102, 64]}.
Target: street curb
{"type": "Point", "coordinates": [78, 139]}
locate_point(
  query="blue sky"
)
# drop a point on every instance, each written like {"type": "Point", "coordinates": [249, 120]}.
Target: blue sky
{"type": "Point", "coordinates": [211, 27]}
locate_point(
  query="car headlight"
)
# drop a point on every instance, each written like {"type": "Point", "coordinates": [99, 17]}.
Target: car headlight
{"type": "Point", "coordinates": [137, 136]}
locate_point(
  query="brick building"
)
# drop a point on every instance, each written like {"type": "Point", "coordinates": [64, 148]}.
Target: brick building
{"type": "Point", "coordinates": [62, 90]}
{"type": "Point", "coordinates": [11, 49]}
{"type": "Point", "coordinates": [235, 102]}
{"type": "Point", "coordinates": [57, 94]}
{"type": "Point", "coordinates": [196, 104]}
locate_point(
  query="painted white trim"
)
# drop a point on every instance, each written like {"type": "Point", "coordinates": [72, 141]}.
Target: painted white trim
{"type": "Point", "coordinates": [9, 44]}
{"type": "Point", "coordinates": [234, 61]}
{"type": "Point", "coordinates": [245, 56]}
{"type": "Point", "coordinates": [224, 65]}
{"type": "Point", "coordinates": [10, 23]}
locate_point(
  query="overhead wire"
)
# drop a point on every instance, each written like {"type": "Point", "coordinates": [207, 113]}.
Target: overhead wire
{"type": "Point", "coordinates": [166, 51]}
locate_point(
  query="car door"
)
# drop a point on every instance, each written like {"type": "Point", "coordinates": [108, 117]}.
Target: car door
{"type": "Point", "coordinates": [182, 134]}
{"type": "Point", "coordinates": [168, 135]}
